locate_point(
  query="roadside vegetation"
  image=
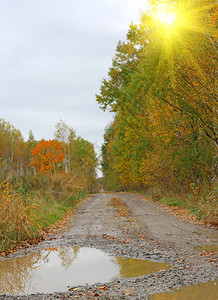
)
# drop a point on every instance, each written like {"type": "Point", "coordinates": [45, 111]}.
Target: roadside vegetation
{"type": "Point", "coordinates": [161, 88]}
{"type": "Point", "coordinates": [41, 181]}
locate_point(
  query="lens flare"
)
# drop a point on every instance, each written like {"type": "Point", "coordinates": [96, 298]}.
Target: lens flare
{"type": "Point", "coordinates": [165, 15]}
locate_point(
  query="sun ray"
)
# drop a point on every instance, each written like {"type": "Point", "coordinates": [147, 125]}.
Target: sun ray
{"type": "Point", "coordinates": [165, 15]}
{"type": "Point", "coordinates": [177, 28]}
{"type": "Point", "coordinates": [173, 17]}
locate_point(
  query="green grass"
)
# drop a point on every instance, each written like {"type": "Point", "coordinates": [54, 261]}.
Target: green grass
{"type": "Point", "coordinates": [171, 201]}
{"type": "Point", "coordinates": [37, 212]}
{"type": "Point", "coordinates": [52, 210]}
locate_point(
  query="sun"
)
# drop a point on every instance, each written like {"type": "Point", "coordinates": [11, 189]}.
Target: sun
{"type": "Point", "coordinates": [167, 18]}
{"type": "Point", "coordinates": [165, 15]}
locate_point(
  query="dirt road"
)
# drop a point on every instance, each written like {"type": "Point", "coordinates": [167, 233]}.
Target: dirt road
{"type": "Point", "coordinates": [130, 225]}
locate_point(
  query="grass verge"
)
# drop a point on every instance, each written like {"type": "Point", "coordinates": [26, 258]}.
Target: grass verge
{"type": "Point", "coordinates": [197, 206]}
{"type": "Point", "coordinates": [26, 217]}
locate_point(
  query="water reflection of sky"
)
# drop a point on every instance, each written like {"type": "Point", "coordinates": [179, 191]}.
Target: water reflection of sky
{"type": "Point", "coordinates": [56, 269]}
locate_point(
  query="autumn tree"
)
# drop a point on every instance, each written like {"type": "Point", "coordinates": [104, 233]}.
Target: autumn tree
{"type": "Point", "coordinates": [111, 180]}
{"type": "Point", "coordinates": [12, 147]}
{"type": "Point", "coordinates": [161, 86]}
{"type": "Point", "coordinates": [47, 155]}
{"type": "Point", "coordinates": [84, 162]}
{"type": "Point", "coordinates": [80, 157]}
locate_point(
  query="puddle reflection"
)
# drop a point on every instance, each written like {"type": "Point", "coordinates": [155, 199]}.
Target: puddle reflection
{"type": "Point", "coordinates": [130, 267]}
{"type": "Point", "coordinates": [55, 269]}
{"type": "Point", "coordinates": [202, 291]}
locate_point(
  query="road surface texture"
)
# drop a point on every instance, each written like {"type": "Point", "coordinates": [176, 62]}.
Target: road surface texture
{"type": "Point", "coordinates": [123, 224]}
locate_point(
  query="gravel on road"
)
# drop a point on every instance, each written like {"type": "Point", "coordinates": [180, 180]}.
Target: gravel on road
{"type": "Point", "coordinates": [130, 225]}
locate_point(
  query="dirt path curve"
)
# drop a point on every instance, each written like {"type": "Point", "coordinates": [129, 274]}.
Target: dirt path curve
{"type": "Point", "coordinates": [129, 225]}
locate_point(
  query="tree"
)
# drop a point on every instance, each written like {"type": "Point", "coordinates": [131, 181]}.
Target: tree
{"type": "Point", "coordinates": [47, 155]}
{"type": "Point", "coordinates": [162, 88]}
{"type": "Point", "coordinates": [11, 147]}
{"type": "Point", "coordinates": [66, 136]}
{"type": "Point", "coordinates": [84, 162]}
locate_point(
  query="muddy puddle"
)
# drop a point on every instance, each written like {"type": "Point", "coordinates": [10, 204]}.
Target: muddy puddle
{"type": "Point", "coordinates": [57, 269]}
{"type": "Point", "coordinates": [202, 291]}
{"type": "Point", "coordinates": [207, 248]}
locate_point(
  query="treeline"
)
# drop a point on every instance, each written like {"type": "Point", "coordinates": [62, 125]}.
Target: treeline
{"type": "Point", "coordinates": [17, 156]}
{"type": "Point", "coordinates": [162, 89]}
{"type": "Point", "coordinates": [41, 180]}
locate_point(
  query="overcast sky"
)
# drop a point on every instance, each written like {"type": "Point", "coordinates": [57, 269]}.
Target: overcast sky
{"type": "Point", "coordinates": [53, 57]}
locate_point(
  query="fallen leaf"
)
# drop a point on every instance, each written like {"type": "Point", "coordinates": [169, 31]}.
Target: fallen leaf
{"type": "Point", "coordinates": [103, 288]}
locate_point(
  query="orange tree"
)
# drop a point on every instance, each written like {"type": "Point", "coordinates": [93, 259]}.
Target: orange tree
{"type": "Point", "coordinates": [47, 155]}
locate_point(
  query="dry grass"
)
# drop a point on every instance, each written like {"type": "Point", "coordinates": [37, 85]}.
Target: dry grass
{"type": "Point", "coordinates": [16, 219]}
{"type": "Point", "coordinates": [199, 205]}
{"type": "Point", "coordinates": [25, 215]}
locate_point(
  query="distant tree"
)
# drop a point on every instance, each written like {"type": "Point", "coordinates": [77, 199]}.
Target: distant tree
{"type": "Point", "coordinates": [84, 161]}
{"type": "Point", "coordinates": [11, 147]}
{"type": "Point", "coordinates": [66, 136]}
{"type": "Point", "coordinates": [47, 155]}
